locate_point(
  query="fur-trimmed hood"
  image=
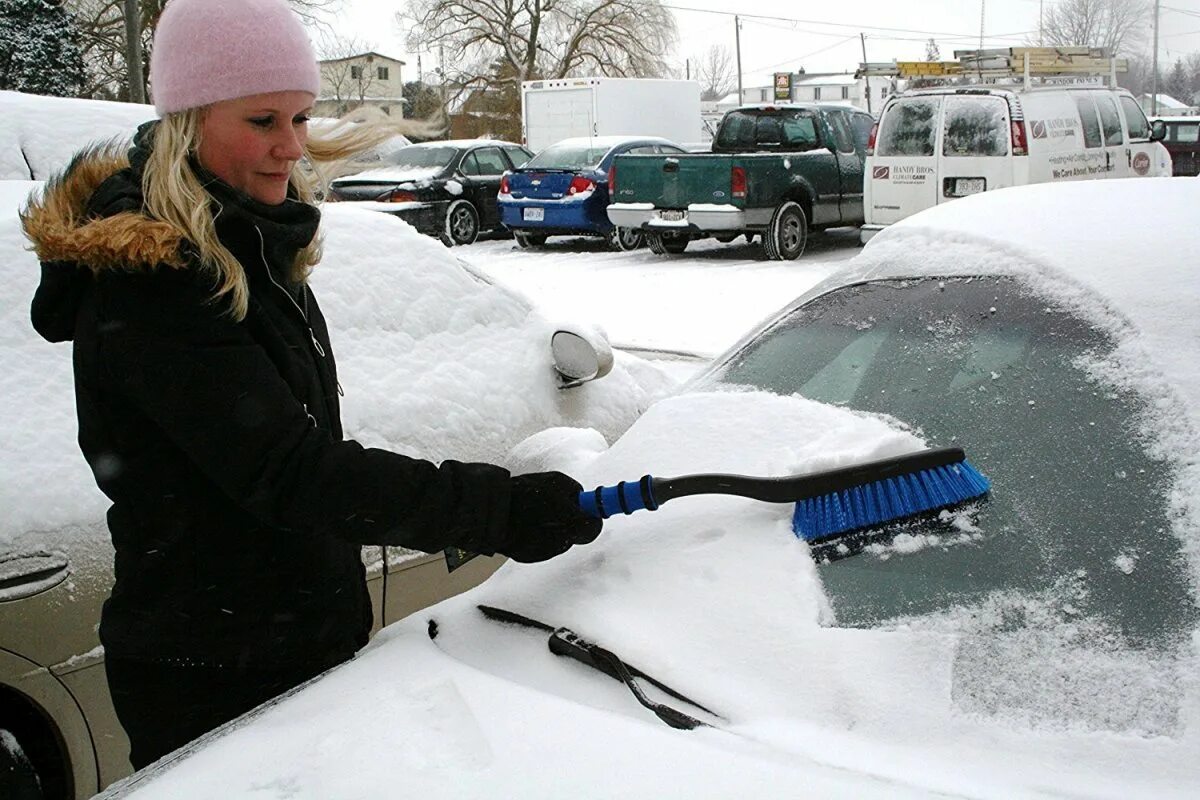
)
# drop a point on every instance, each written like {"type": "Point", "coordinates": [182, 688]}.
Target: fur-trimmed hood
{"type": "Point", "coordinates": [86, 220]}
{"type": "Point", "coordinates": [90, 216]}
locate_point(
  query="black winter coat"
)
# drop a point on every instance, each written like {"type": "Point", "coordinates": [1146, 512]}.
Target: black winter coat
{"type": "Point", "coordinates": [238, 511]}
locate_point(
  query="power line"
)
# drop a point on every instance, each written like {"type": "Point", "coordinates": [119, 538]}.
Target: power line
{"type": "Point", "coordinates": [803, 56]}
{"type": "Point", "coordinates": [815, 22]}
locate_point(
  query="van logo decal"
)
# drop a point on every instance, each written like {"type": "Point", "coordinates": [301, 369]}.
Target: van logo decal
{"type": "Point", "coordinates": [881, 173]}
{"type": "Point", "coordinates": [1141, 163]}
{"type": "Point", "coordinates": [1039, 129]}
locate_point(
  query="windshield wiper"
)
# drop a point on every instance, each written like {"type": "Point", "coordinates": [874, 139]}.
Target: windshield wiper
{"type": "Point", "coordinates": [565, 642]}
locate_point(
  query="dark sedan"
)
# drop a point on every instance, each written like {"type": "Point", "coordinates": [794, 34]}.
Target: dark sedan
{"type": "Point", "coordinates": [444, 189]}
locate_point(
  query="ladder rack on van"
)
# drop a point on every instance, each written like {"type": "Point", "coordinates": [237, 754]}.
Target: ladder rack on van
{"type": "Point", "coordinates": [999, 64]}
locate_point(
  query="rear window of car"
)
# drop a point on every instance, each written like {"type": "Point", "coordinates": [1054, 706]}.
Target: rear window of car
{"type": "Point", "coordinates": [909, 127]}
{"type": "Point", "coordinates": [569, 157]}
{"type": "Point", "coordinates": [975, 126]}
{"type": "Point", "coordinates": [419, 156]}
{"type": "Point", "coordinates": [789, 129]}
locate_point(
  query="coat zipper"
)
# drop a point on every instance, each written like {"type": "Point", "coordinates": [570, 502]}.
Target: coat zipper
{"type": "Point", "coordinates": [312, 336]}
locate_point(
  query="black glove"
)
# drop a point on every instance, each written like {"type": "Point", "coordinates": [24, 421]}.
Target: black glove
{"type": "Point", "coordinates": [544, 518]}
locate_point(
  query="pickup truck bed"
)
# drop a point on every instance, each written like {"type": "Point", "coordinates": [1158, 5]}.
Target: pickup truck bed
{"type": "Point", "coordinates": [810, 178]}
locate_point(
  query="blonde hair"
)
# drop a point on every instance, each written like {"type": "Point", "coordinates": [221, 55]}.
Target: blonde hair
{"type": "Point", "coordinates": [174, 194]}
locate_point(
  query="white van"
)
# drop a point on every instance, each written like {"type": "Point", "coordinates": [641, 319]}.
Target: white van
{"type": "Point", "coordinates": [936, 144]}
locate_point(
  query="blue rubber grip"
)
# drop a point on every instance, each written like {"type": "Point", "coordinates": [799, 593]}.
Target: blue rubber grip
{"type": "Point", "coordinates": [624, 498]}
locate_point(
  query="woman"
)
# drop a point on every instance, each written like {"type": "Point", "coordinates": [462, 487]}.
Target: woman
{"type": "Point", "coordinates": [207, 394]}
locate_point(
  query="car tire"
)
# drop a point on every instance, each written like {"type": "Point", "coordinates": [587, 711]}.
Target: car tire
{"type": "Point", "coordinates": [662, 244]}
{"type": "Point", "coordinates": [784, 240]}
{"type": "Point", "coordinates": [462, 223]}
{"type": "Point", "coordinates": [18, 780]}
{"type": "Point", "coordinates": [529, 239]}
{"type": "Point", "coordinates": [625, 239]}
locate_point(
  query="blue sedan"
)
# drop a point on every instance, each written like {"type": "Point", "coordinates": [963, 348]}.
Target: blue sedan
{"type": "Point", "coordinates": [563, 190]}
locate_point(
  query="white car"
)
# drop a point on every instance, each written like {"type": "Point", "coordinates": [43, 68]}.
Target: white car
{"type": "Point", "coordinates": [436, 362]}
{"type": "Point", "coordinates": [1042, 643]}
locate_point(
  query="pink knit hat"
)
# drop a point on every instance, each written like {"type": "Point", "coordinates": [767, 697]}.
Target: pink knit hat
{"type": "Point", "coordinates": [211, 50]}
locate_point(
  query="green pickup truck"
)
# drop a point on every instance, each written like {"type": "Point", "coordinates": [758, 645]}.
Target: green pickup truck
{"type": "Point", "coordinates": [775, 171]}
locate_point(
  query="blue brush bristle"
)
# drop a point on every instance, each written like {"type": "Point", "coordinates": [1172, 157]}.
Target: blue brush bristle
{"type": "Point", "coordinates": [888, 500]}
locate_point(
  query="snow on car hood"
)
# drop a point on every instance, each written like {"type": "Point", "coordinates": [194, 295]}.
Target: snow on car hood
{"type": "Point", "coordinates": [715, 597]}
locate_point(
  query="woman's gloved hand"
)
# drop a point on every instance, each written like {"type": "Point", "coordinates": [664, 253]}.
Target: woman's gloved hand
{"type": "Point", "coordinates": [544, 518]}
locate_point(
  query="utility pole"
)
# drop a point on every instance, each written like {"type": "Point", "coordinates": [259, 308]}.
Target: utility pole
{"type": "Point", "coordinates": [1154, 67]}
{"type": "Point", "coordinates": [737, 40]}
{"type": "Point", "coordinates": [133, 52]}
{"type": "Point", "coordinates": [687, 66]}
{"type": "Point", "coordinates": [1041, 25]}
{"type": "Point", "coordinates": [866, 78]}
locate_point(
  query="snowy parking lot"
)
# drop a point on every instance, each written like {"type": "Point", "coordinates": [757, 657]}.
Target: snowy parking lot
{"type": "Point", "coordinates": [699, 303]}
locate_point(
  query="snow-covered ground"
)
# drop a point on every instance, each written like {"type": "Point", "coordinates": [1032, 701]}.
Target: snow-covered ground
{"type": "Point", "coordinates": [700, 302]}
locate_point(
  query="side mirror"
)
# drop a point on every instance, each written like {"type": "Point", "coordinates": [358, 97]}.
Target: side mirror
{"type": "Point", "coordinates": [1158, 130]}
{"type": "Point", "coordinates": [579, 358]}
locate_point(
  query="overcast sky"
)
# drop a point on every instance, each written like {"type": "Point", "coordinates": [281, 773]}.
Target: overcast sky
{"type": "Point", "coordinates": [824, 37]}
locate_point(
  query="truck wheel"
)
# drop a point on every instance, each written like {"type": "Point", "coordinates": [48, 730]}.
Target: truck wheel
{"type": "Point", "coordinates": [462, 223]}
{"type": "Point", "coordinates": [529, 239]}
{"type": "Point", "coordinates": [18, 780]}
{"type": "Point", "coordinates": [625, 239]}
{"type": "Point", "coordinates": [788, 234]}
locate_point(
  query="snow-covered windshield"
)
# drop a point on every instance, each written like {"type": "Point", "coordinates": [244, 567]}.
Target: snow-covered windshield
{"type": "Point", "coordinates": [569, 157]}
{"type": "Point", "coordinates": [1078, 530]}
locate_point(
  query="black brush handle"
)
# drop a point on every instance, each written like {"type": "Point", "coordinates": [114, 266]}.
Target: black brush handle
{"type": "Point", "coordinates": [650, 492]}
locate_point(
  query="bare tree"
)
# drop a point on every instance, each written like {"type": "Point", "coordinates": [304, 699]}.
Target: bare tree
{"type": "Point", "coordinates": [715, 73]}
{"type": "Point", "coordinates": [496, 44]}
{"type": "Point", "coordinates": [1119, 25]}
{"type": "Point", "coordinates": [932, 51]}
{"type": "Point", "coordinates": [349, 79]}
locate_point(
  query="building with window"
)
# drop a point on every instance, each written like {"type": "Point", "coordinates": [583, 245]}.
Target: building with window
{"type": "Point", "coordinates": [365, 79]}
{"type": "Point", "coordinates": [828, 87]}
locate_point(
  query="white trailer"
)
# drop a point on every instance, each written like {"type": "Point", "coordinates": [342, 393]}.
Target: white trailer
{"type": "Point", "coordinates": [552, 110]}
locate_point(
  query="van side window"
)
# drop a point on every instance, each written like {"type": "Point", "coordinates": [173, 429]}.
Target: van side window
{"type": "Point", "coordinates": [1135, 118]}
{"type": "Point", "coordinates": [1091, 122]}
{"type": "Point", "coordinates": [975, 126]}
{"type": "Point", "coordinates": [908, 127]}
{"type": "Point", "coordinates": [1110, 120]}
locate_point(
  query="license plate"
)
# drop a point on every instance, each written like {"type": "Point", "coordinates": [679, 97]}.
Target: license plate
{"type": "Point", "coordinates": [672, 216]}
{"type": "Point", "coordinates": [966, 186]}
{"type": "Point", "coordinates": [533, 214]}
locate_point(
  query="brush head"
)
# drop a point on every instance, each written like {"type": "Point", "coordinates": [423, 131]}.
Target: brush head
{"type": "Point", "coordinates": [837, 514]}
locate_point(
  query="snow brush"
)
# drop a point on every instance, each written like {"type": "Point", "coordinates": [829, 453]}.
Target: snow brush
{"type": "Point", "coordinates": [829, 505]}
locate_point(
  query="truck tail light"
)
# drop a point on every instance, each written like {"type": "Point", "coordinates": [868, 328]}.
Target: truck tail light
{"type": "Point", "coordinates": [504, 185]}
{"type": "Point", "coordinates": [1020, 144]}
{"type": "Point", "coordinates": [401, 196]}
{"type": "Point", "coordinates": [737, 182]}
{"type": "Point", "coordinates": [871, 140]}
{"type": "Point", "coordinates": [579, 185]}
{"type": "Point", "coordinates": [612, 181]}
